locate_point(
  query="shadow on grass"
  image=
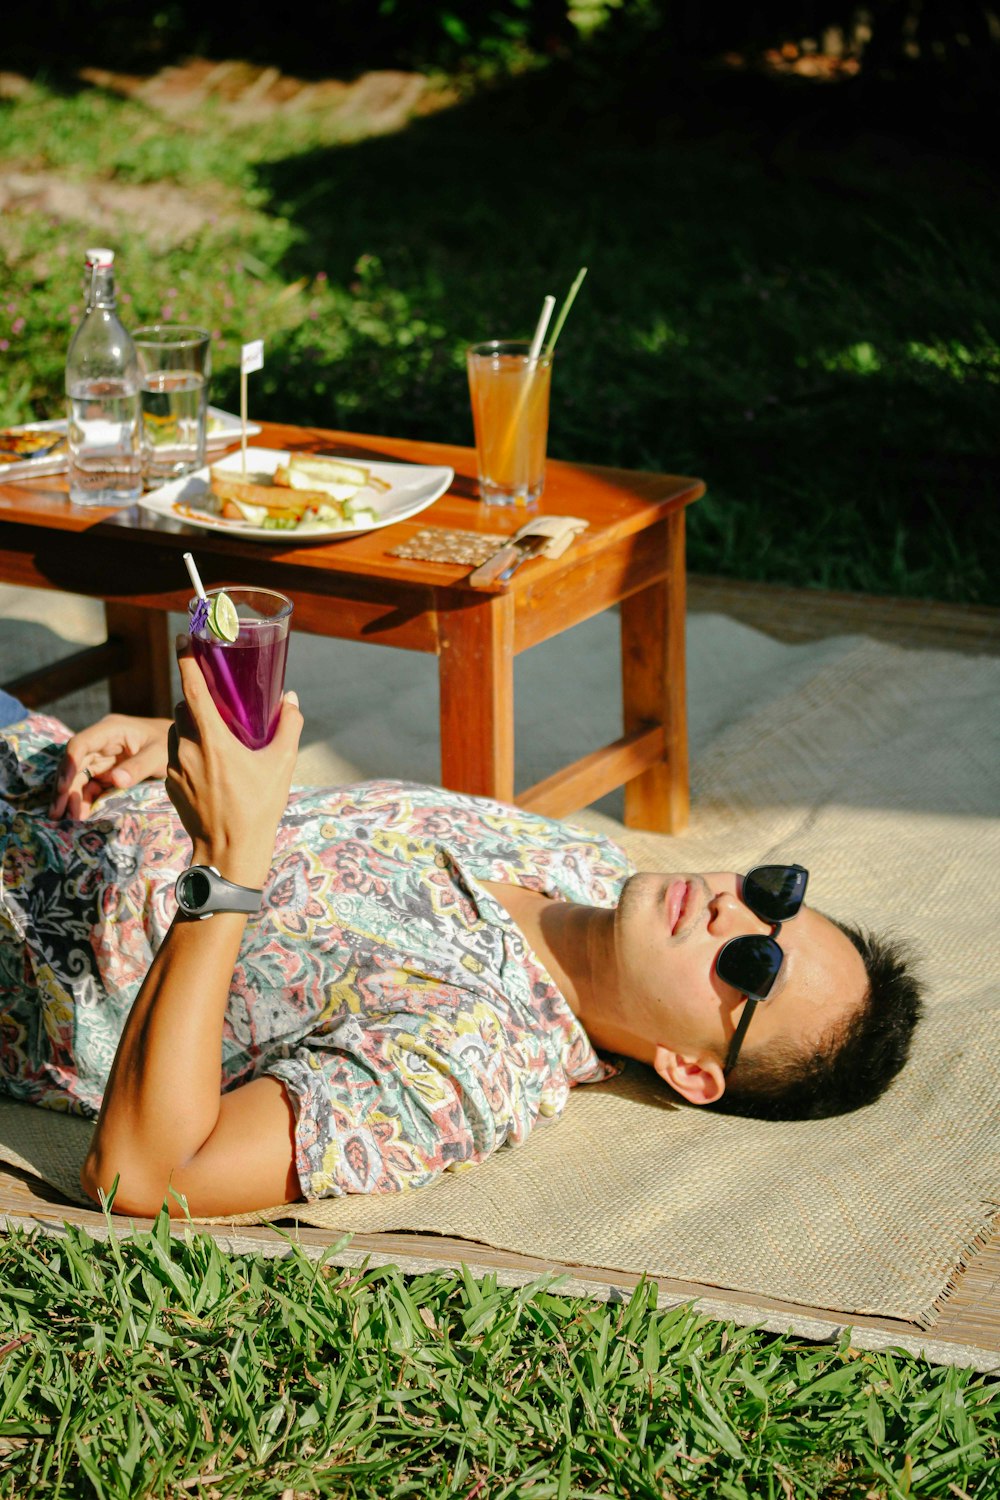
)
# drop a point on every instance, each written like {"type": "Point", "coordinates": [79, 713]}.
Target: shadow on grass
{"type": "Point", "coordinates": [782, 298]}
{"type": "Point", "coordinates": [786, 296]}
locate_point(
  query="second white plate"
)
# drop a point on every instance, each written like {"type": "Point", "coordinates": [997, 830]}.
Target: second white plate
{"type": "Point", "coordinates": [222, 430]}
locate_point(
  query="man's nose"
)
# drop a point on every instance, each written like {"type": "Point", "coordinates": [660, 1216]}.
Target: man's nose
{"type": "Point", "coordinates": [731, 917]}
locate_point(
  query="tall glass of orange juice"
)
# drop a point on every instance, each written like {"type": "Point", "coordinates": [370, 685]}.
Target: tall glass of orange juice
{"type": "Point", "coordinates": [510, 414]}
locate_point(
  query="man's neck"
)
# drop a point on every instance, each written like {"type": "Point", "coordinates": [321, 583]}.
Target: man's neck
{"type": "Point", "coordinates": [559, 933]}
{"type": "Point", "coordinates": [575, 945]}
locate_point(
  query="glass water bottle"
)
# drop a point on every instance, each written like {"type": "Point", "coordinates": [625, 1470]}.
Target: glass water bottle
{"type": "Point", "coordinates": [102, 398]}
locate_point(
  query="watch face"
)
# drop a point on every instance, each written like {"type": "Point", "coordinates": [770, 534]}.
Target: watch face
{"type": "Point", "coordinates": [196, 889]}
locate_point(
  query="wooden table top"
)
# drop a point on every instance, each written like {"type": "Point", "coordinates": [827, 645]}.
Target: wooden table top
{"type": "Point", "coordinates": [616, 502]}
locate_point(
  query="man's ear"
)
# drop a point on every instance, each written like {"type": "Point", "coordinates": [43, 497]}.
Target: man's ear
{"type": "Point", "coordinates": [698, 1078]}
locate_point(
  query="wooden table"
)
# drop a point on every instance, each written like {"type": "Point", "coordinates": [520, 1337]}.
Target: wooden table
{"type": "Point", "coordinates": [632, 555]}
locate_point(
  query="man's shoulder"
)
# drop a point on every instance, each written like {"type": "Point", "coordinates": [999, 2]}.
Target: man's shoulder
{"type": "Point", "coordinates": [491, 839]}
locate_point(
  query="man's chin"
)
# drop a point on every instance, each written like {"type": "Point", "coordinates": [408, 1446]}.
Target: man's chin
{"type": "Point", "coordinates": [643, 891]}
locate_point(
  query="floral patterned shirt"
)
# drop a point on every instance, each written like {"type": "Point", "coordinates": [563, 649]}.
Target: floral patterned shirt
{"type": "Point", "coordinates": [395, 999]}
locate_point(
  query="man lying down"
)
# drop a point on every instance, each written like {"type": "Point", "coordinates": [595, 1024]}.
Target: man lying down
{"type": "Point", "coordinates": [365, 987]}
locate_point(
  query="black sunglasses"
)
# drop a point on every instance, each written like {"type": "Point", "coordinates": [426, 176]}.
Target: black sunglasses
{"type": "Point", "coordinates": [751, 964]}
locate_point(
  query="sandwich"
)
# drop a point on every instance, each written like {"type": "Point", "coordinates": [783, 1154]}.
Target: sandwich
{"type": "Point", "coordinates": [306, 490]}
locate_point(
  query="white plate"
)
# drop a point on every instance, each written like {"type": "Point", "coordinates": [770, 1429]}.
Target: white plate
{"type": "Point", "coordinates": [412, 487]}
{"type": "Point", "coordinates": [227, 430]}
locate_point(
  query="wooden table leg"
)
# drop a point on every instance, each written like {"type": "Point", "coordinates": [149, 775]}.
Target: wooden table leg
{"type": "Point", "coordinates": [476, 673]}
{"type": "Point", "coordinates": [144, 686]}
{"type": "Point", "coordinates": [653, 690]}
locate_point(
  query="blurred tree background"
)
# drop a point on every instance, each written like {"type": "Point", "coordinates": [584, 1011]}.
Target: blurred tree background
{"type": "Point", "coordinates": [788, 210]}
{"type": "Point", "coordinates": [953, 39]}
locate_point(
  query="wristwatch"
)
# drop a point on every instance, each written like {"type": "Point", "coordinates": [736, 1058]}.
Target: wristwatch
{"type": "Point", "coordinates": [201, 891]}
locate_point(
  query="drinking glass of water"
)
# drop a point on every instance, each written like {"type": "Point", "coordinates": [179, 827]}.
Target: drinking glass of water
{"type": "Point", "coordinates": [174, 366]}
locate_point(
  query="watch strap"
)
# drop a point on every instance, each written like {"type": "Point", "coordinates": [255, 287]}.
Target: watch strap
{"type": "Point", "coordinates": [201, 892]}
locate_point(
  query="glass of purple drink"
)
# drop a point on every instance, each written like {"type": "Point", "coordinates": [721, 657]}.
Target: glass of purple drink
{"type": "Point", "coordinates": [246, 676]}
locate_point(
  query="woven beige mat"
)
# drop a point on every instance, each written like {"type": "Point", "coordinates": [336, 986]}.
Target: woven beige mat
{"type": "Point", "coordinates": [876, 768]}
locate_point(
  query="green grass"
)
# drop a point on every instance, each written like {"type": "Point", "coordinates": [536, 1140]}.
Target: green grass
{"type": "Point", "coordinates": [158, 1366]}
{"type": "Point", "coordinates": [796, 306]}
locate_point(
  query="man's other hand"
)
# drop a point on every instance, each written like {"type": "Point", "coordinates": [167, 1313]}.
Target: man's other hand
{"type": "Point", "coordinates": [118, 751]}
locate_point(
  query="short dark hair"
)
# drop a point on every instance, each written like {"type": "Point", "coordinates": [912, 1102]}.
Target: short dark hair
{"type": "Point", "coordinates": [853, 1064]}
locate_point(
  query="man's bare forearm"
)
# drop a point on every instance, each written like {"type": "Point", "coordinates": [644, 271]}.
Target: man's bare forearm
{"type": "Point", "coordinates": [163, 1096]}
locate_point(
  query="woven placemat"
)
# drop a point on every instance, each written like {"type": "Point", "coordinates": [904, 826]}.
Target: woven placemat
{"type": "Point", "coordinates": [878, 771]}
{"type": "Point", "coordinates": [438, 544]}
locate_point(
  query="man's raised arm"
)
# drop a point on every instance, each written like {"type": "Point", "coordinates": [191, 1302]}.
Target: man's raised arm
{"type": "Point", "coordinates": [164, 1123]}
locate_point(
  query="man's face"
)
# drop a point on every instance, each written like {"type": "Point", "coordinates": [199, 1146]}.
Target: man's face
{"type": "Point", "coordinates": [668, 932]}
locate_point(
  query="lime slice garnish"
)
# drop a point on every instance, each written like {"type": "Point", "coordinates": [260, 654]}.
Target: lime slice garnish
{"type": "Point", "coordinates": [223, 621]}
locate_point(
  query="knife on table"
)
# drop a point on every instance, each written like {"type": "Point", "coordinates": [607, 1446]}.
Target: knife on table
{"type": "Point", "coordinates": [503, 564]}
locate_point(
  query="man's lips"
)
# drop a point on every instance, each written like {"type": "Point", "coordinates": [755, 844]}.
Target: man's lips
{"type": "Point", "coordinates": [687, 904]}
{"type": "Point", "coordinates": [677, 900]}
